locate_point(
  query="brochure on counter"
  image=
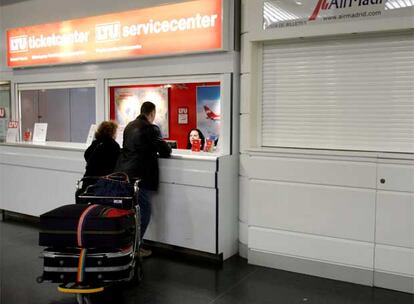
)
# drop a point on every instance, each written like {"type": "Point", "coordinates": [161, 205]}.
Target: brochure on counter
{"type": "Point", "coordinates": [120, 135]}
{"type": "Point", "coordinates": [91, 135]}
{"type": "Point", "coordinates": [12, 131]}
{"type": "Point", "coordinates": [39, 133]}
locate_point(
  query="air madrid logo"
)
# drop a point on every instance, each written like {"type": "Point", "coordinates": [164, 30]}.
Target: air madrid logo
{"type": "Point", "coordinates": [340, 4]}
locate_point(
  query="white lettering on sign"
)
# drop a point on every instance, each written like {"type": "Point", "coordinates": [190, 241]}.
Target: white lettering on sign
{"type": "Point", "coordinates": [156, 26]}
{"type": "Point", "coordinates": [18, 44]}
{"type": "Point", "coordinates": [112, 31]}
{"type": "Point", "coordinates": [23, 43]}
{"type": "Point", "coordinates": [21, 58]}
{"type": "Point", "coordinates": [108, 31]}
{"type": "Point", "coordinates": [2, 112]}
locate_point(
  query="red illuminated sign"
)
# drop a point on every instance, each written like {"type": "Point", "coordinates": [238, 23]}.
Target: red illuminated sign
{"type": "Point", "coordinates": [194, 26]}
{"type": "Point", "coordinates": [13, 124]}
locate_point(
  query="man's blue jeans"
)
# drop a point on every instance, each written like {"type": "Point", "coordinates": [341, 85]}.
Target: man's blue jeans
{"type": "Point", "coordinates": [144, 202]}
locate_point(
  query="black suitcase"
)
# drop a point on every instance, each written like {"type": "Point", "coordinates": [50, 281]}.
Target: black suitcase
{"type": "Point", "coordinates": [62, 266]}
{"type": "Point", "coordinates": [88, 226]}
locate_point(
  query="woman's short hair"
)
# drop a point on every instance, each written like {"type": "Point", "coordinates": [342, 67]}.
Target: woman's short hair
{"type": "Point", "coordinates": [106, 129]}
{"type": "Point", "coordinates": [202, 139]}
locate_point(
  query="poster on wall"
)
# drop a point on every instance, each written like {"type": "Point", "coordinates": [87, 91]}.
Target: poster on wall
{"type": "Point", "coordinates": [183, 115]}
{"type": "Point", "coordinates": [128, 103]}
{"type": "Point", "coordinates": [281, 14]}
{"type": "Point", "coordinates": [208, 111]}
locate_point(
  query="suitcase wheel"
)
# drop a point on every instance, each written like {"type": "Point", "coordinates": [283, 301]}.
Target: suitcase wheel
{"type": "Point", "coordinates": [83, 298]}
{"type": "Point", "coordinates": [138, 273]}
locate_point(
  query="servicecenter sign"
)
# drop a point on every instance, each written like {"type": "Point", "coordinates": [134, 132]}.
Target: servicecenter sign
{"type": "Point", "coordinates": [292, 13]}
{"type": "Point", "coordinates": [188, 27]}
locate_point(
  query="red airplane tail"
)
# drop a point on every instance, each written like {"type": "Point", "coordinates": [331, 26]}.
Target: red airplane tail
{"type": "Point", "coordinates": [210, 114]}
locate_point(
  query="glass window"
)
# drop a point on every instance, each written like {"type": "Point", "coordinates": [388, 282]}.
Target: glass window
{"type": "Point", "coordinates": [181, 107]}
{"type": "Point", "coordinates": [69, 112]}
{"type": "Point", "coordinates": [4, 109]}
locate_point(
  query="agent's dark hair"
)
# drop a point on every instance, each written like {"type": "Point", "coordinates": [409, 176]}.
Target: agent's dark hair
{"type": "Point", "coordinates": [106, 129]}
{"type": "Point", "coordinates": [202, 139]}
{"type": "Point", "coordinates": [147, 107]}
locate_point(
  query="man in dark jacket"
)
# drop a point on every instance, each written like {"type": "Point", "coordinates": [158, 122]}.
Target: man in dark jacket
{"type": "Point", "coordinates": [142, 145]}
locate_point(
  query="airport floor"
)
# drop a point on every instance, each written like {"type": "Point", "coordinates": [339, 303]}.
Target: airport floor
{"type": "Point", "coordinates": [169, 279]}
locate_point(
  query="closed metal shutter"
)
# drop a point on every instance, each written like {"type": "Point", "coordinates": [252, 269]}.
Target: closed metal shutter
{"type": "Point", "coordinates": [344, 94]}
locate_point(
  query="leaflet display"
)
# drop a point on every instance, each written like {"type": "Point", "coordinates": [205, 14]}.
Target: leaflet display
{"type": "Point", "coordinates": [91, 134]}
{"type": "Point", "coordinates": [12, 131]}
{"type": "Point", "coordinates": [40, 131]}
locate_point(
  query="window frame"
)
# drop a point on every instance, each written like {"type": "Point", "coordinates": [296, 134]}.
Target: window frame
{"type": "Point", "coordinates": [226, 98]}
{"type": "Point", "coordinates": [20, 87]}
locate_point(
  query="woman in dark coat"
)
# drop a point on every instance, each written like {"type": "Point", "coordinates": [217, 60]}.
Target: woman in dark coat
{"type": "Point", "coordinates": [102, 154]}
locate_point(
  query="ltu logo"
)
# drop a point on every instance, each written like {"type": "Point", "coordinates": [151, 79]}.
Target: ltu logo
{"type": "Point", "coordinates": [335, 4]}
{"type": "Point", "coordinates": [18, 44]}
{"type": "Point", "coordinates": [108, 31]}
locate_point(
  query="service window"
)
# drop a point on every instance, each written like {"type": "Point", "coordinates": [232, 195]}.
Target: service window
{"type": "Point", "coordinates": [68, 111]}
{"type": "Point", "coordinates": [181, 107]}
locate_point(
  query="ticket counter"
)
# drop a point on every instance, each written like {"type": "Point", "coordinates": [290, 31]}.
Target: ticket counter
{"type": "Point", "coordinates": [195, 207]}
{"type": "Point", "coordinates": [127, 52]}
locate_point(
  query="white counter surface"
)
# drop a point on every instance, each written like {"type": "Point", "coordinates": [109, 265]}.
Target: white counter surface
{"type": "Point", "coordinates": [176, 153]}
{"type": "Point", "coordinates": [49, 145]}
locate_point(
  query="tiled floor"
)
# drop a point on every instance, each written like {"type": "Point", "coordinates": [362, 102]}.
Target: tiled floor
{"type": "Point", "coordinates": [171, 280]}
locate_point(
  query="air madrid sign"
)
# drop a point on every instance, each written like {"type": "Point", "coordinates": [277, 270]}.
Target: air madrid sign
{"type": "Point", "coordinates": [187, 27]}
{"type": "Point", "coordinates": [291, 13]}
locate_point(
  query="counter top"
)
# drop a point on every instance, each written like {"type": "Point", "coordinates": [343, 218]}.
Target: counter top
{"type": "Point", "coordinates": [49, 145]}
{"type": "Point", "coordinates": [53, 145]}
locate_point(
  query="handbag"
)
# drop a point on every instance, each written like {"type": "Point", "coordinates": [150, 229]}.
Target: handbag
{"type": "Point", "coordinates": [114, 185]}
{"type": "Point", "coordinates": [112, 190]}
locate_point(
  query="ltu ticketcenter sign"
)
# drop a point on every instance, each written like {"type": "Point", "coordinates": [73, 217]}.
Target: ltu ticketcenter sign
{"type": "Point", "coordinates": [291, 13]}
{"type": "Point", "coordinates": [188, 27]}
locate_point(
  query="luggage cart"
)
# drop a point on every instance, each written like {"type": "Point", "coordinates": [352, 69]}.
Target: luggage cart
{"type": "Point", "coordinates": [129, 262]}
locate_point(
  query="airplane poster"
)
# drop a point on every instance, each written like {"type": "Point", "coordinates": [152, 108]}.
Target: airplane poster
{"type": "Point", "coordinates": [208, 111]}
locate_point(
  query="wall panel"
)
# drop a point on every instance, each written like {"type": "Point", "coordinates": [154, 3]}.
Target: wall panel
{"type": "Point", "coordinates": [330, 250]}
{"type": "Point", "coordinates": [341, 212]}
